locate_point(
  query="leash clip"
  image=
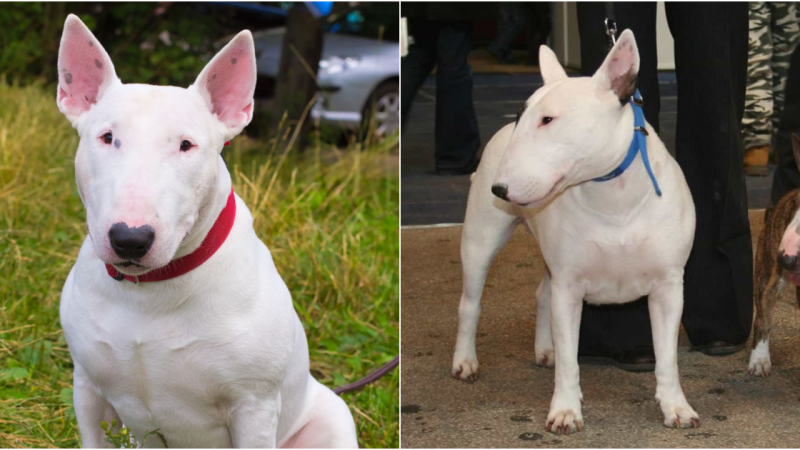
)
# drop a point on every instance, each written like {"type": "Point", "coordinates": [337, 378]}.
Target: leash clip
{"type": "Point", "coordinates": [136, 277]}
{"type": "Point", "coordinates": [611, 31]}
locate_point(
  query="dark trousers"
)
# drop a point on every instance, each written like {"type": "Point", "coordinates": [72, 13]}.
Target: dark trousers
{"type": "Point", "coordinates": [510, 24]}
{"type": "Point", "coordinates": [787, 177]}
{"type": "Point", "coordinates": [444, 45]}
{"type": "Point", "coordinates": [711, 42]}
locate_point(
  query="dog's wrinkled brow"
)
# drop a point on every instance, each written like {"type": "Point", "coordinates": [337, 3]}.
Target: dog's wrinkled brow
{"type": "Point", "coordinates": [520, 111]}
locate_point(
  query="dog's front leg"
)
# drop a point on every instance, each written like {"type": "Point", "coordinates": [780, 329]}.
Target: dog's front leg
{"type": "Point", "coordinates": [666, 305]}
{"type": "Point", "coordinates": [91, 409]}
{"type": "Point", "coordinates": [565, 318]}
{"type": "Point", "coordinates": [254, 422]}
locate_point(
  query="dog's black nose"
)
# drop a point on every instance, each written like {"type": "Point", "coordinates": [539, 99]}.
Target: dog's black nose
{"type": "Point", "coordinates": [131, 243]}
{"type": "Point", "coordinates": [500, 190]}
{"type": "Point", "coordinates": [788, 262]}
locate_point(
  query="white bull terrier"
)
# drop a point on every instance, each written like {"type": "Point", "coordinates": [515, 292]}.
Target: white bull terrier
{"type": "Point", "coordinates": [175, 315]}
{"type": "Point", "coordinates": [603, 242]}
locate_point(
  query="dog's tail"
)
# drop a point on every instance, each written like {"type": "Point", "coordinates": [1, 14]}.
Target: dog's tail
{"type": "Point", "coordinates": [371, 378]}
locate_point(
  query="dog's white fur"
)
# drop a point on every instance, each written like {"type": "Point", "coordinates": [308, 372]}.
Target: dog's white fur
{"type": "Point", "coordinates": [216, 357]}
{"type": "Point", "coordinates": [605, 242]}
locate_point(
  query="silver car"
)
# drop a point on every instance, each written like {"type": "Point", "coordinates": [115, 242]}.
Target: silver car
{"type": "Point", "coordinates": [356, 71]}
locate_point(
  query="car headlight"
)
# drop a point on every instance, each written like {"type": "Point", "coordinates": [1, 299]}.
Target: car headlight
{"type": "Point", "coordinates": [337, 64]}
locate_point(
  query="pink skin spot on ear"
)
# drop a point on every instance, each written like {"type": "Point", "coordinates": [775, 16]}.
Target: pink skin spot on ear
{"type": "Point", "coordinates": [81, 83]}
{"type": "Point", "coordinates": [231, 92]}
{"type": "Point", "coordinates": [789, 242]}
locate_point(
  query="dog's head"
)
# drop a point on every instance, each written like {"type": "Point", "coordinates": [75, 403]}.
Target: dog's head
{"type": "Point", "coordinates": [790, 243]}
{"type": "Point", "coordinates": [149, 156]}
{"type": "Point", "coordinates": [571, 129]}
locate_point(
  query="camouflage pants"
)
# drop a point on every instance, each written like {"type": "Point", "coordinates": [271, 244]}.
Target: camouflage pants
{"type": "Point", "coordinates": [773, 34]}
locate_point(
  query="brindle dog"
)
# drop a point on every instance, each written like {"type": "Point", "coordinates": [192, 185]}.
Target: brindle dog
{"type": "Point", "coordinates": [776, 262]}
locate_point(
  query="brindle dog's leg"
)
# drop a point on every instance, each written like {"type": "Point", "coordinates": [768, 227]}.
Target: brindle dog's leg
{"type": "Point", "coordinates": [767, 281]}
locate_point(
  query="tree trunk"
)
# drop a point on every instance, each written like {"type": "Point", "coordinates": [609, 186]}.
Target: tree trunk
{"type": "Point", "coordinates": [295, 86]}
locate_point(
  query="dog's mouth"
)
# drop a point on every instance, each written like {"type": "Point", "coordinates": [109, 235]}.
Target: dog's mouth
{"type": "Point", "coordinates": [547, 197]}
{"type": "Point", "coordinates": [128, 264]}
{"type": "Point", "coordinates": [792, 277]}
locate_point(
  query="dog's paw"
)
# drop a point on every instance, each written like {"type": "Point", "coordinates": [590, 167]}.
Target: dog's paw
{"type": "Point", "coordinates": [546, 357]}
{"type": "Point", "coordinates": [760, 364]}
{"type": "Point", "coordinates": [564, 421]}
{"type": "Point", "coordinates": [466, 368]}
{"type": "Point", "coordinates": [680, 415]}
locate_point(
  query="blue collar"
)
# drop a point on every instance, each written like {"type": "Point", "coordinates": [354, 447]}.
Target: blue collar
{"type": "Point", "coordinates": [638, 145]}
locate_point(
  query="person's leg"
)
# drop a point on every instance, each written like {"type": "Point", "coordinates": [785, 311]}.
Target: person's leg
{"type": "Point", "coordinates": [417, 65]}
{"type": "Point", "coordinates": [457, 138]}
{"type": "Point", "coordinates": [785, 32]}
{"type": "Point", "coordinates": [539, 26]}
{"type": "Point", "coordinates": [509, 25]}
{"type": "Point", "coordinates": [786, 176]}
{"type": "Point", "coordinates": [711, 70]}
{"type": "Point", "coordinates": [758, 104]}
{"type": "Point", "coordinates": [615, 330]}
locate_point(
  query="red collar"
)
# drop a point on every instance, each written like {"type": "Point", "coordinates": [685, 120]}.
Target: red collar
{"type": "Point", "coordinates": [177, 267]}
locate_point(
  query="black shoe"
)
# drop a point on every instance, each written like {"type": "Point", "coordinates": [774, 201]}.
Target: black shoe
{"type": "Point", "coordinates": [718, 348]}
{"type": "Point", "coordinates": [468, 170]}
{"type": "Point", "coordinates": [636, 360]}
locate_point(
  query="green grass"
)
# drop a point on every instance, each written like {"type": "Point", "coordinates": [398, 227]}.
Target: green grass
{"type": "Point", "coordinates": [330, 219]}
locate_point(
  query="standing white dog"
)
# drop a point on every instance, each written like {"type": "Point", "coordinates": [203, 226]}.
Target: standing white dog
{"type": "Point", "coordinates": [605, 242]}
{"type": "Point", "coordinates": [174, 313]}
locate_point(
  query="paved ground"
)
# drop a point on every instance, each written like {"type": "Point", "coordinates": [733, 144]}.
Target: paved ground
{"type": "Point", "coordinates": [508, 404]}
{"type": "Point", "coordinates": [428, 199]}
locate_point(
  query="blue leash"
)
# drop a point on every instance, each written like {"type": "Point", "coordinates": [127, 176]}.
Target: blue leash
{"type": "Point", "coordinates": [638, 145]}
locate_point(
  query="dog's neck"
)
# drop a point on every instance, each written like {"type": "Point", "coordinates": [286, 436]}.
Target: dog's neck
{"type": "Point", "coordinates": [628, 191]}
{"type": "Point", "coordinates": [208, 213]}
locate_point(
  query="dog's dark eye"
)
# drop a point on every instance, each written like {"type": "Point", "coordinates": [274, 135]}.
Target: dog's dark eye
{"type": "Point", "coordinates": [185, 145]}
{"type": "Point", "coordinates": [107, 138]}
{"type": "Point", "coordinates": [546, 120]}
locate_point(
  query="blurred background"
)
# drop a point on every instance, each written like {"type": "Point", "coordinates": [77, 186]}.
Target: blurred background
{"type": "Point", "coordinates": [318, 167]}
{"type": "Point", "coordinates": [342, 55]}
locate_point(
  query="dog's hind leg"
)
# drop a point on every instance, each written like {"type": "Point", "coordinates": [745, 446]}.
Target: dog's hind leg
{"type": "Point", "coordinates": [665, 303]}
{"type": "Point", "coordinates": [487, 228]}
{"type": "Point", "coordinates": [328, 422]}
{"type": "Point", "coordinates": [767, 287]}
{"type": "Point", "coordinates": [543, 348]}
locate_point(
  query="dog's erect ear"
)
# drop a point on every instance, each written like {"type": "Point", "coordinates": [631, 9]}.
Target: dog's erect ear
{"type": "Point", "coordinates": [228, 81]}
{"type": "Point", "coordinates": [619, 70]}
{"type": "Point", "coordinates": [84, 70]}
{"type": "Point", "coordinates": [549, 65]}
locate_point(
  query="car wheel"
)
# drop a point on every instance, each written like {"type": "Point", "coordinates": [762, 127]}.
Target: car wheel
{"type": "Point", "coordinates": [381, 115]}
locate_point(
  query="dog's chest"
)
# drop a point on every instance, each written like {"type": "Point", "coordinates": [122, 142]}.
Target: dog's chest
{"type": "Point", "coordinates": [163, 373]}
{"type": "Point", "coordinates": [610, 264]}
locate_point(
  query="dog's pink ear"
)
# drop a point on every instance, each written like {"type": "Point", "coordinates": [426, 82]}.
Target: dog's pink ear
{"type": "Point", "coordinates": [84, 70]}
{"type": "Point", "coordinates": [549, 65]}
{"type": "Point", "coordinates": [620, 69]}
{"type": "Point", "coordinates": [228, 81]}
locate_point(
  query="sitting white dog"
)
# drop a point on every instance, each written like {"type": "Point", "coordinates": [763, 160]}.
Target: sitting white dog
{"type": "Point", "coordinates": [174, 313]}
{"type": "Point", "coordinates": [568, 169]}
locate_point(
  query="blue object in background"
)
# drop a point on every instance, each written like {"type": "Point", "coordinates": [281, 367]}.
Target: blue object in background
{"type": "Point", "coordinates": [319, 9]}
